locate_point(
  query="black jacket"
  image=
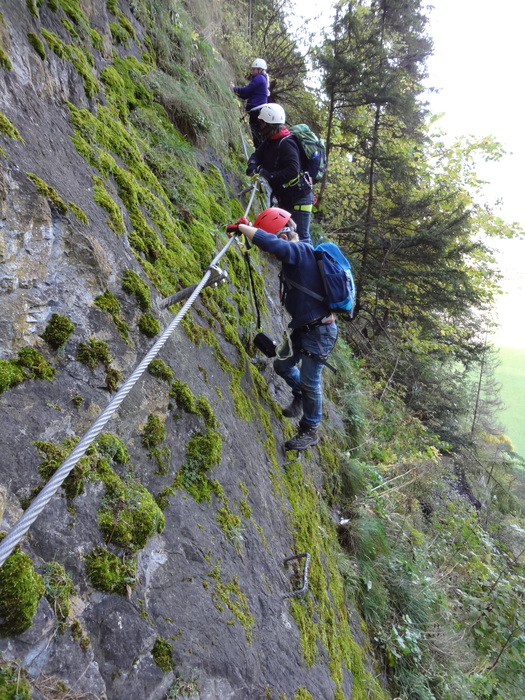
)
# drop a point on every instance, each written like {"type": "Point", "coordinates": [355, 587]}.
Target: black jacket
{"type": "Point", "coordinates": [278, 160]}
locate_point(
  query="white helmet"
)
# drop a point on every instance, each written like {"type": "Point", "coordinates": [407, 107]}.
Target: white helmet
{"type": "Point", "coordinates": [259, 63]}
{"type": "Point", "coordinates": [272, 113]}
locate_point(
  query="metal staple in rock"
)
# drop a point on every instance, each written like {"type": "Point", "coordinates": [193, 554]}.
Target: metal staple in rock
{"type": "Point", "coordinates": [305, 574]}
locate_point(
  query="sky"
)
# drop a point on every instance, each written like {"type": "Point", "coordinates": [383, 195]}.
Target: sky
{"type": "Point", "coordinates": [478, 70]}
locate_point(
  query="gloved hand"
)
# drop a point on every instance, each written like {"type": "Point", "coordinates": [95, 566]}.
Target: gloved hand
{"type": "Point", "coordinates": [243, 220]}
{"type": "Point", "coordinates": [250, 172]}
{"type": "Point", "coordinates": [264, 173]}
{"type": "Point", "coordinates": [233, 230]}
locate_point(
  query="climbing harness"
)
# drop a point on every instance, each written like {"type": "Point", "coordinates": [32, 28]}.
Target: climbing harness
{"type": "Point", "coordinates": [305, 574]}
{"type": "Point", "coordinates": [212, 277]}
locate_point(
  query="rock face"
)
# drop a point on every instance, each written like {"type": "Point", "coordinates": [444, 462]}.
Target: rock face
{"type": "Point", "coordinates": [207, 588]}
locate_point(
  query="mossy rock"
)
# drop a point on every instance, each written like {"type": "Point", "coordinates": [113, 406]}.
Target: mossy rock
{"type": "Point", "coordinates": [58, 330]}
{"type": "Point", "coordinates": [109, 573]}
{"type": "Point", "coordinates": [21, 588]}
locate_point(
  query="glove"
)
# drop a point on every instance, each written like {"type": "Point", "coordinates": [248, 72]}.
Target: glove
{"type": "Point", "coordinates": [250, 172]}
{"type": "Point", "coordinates": [265, 173]}
{"type": "Point", "coordinates": [233, 230]}
{"type": "Point", "coordinates": [243, 220]}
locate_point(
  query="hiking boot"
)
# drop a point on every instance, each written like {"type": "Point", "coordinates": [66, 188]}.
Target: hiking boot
{"type": "Point", "coordinates": [305, 438]}
{"type": "Point", "coordinates": [295, 409]}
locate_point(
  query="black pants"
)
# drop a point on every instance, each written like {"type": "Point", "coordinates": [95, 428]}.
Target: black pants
{"type": "Point", "coordinates": [255, 126]}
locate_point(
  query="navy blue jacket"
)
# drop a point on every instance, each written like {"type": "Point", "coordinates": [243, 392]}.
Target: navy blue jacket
{"type": "Point", "coordinates": [255, 93]}
{"type": "Point", "coordinates": [298, 264]}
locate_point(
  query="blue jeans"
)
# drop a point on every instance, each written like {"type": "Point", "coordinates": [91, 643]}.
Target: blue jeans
{"type": "Point", "coordinates": [301, 218]}
{"type": "Point", "coordinates": [319, 341]}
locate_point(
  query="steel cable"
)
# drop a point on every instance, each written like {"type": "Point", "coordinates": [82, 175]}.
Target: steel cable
{"type": "Point", "coordinates": [21, 527]}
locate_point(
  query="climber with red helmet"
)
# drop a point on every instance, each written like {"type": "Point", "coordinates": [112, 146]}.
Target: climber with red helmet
{"type": "Point", "coordinates": [313, 325]}
{"type": "Point", "coordinates": [278, 161]}
{"type": "Point", "coordinates": [256, 95]}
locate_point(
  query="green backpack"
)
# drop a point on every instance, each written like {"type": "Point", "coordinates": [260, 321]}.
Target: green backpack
{"type": "Point", "coordinates": [313, 151]}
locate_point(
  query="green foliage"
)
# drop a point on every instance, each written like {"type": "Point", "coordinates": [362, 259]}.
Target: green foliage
{"type": "Point", "coordinates": [58, 588]}
{"type": "Point", "coordinates": [47, 191]}
{"type": "Point", "coordinates": [154, 431]}
{"type": "Point", "coordinates": [109, 302]}
{"type": "Point", "coordinates": [109, 573]}
{"type": "Point", "coordinates": [96, 352]}
{"type": "Point", "coordinates": [203, 452]}
{"type": "Point", "coordinates": [149, 325]}
{"type": "Point", "coordinates": [134, 286]}
{"type": "Point", "coordinates": [9, 129]}
{"type": "Point", "coordinates": [162, 653]}
{"type": "Point", "coordinates": [13, 683]}
{"type": "Point", "coordinates": [20, 591]}
{"type": "Point", "coordinates": [29, 364]}
{"type": "Point", "coordinates": [37, 44]}
{"type": "Point", "coordinates": [159, 369]}
{"type": "Point", "coordinates": [58, 330]}
{"type": "Point", "coordinates": [129, 515]}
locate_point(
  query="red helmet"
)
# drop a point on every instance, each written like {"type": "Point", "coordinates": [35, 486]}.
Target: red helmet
{"type": "Point", "coordinates": [273, 220]}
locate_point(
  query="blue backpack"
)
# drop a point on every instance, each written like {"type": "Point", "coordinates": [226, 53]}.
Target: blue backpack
{"type": "Point", "coordinates": [336, 273]}
{"type": "Point", "coordinates": [337, 276]}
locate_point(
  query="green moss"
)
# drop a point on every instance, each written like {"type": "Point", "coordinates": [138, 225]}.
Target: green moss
{"type": "Point", "coordinates": [135, 287]}
{"type": "Point", "coordinates": [109, 302]}
{"type": "Point", "coordinates": [13, 683]}
{"type": "Point", "coordinates": [129, 515]}
{"type": "Point", "coordinates": [37, 44]}
{"type": "Point", "coordinates": [149, 325]}
{"type": "Point", "coordinates": [245, 509]}
{"type": "Point", "coordinates": [203, 452]}
{"type": "Point", "coordinates": [20, 591]}
{"type": "Point", "coordinates": [229, 595]}
{"type": "Point", "coordinates": [47, 191]}
{"type": "Point", "coordinates": [5, 63]}
{"type": "Point", "coordinates": [183, 395]}
{"type": "Point", "coordinates": [10, 375]}
{"type": "Point", "coordinates": [162, 497]}
{"type": "Point", "coordinates": [94, 352]}
{"type": "Point", "coordinates": [70, 28]}
{"type": "Point", "coordinates": [203, 408]}
{"type": "Point", "coordinates": [162, 653]}
{"type": "Point", "coordinates": [79, 57]}
{"type": "Point", "coordinates": [113, 377]}
{"type": "Point", "coordinates": [34, 365]}
{"type": "Point", "coordinates": [78, 635]}
{"type": "Point", "coordinates": [54, 456]}
{"type": "Point", "coordinates": [111, 447]}
{"type": "Point", "coordinates": [160, 370]}
{"type": "Point", "coordinates": [9, 129]}
{"type": "Point", "coordinates": [109, 573]}
{"type": "Point", "coordinates": [230, 523]}
{"type": "Point", "coordinates": [77, 401]}
{"type": "Point", "coordinates": [154, 431]}
{"type": "Point", "coordinates": [31, 6]}
{"type": "Point", "coordinates": [79, 213]}
{"type": "Point", "coordinates": [112, 7]}
{"type": "Point", "coordinates": [96, 38]}
{"type": "Point", "coordinates": [161, 456]}
{"type": "Point", "coordinates": [58, 330]}
{"type": "Point", "coordinates": [58, 588]}
{"type": "Point", "coordinates": [29, 365]}
{"type": "Point", "coordinates": [105, 200]}
{"type": "Point", "coordinates": [302, 694]}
